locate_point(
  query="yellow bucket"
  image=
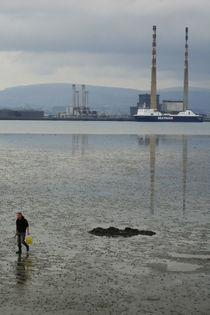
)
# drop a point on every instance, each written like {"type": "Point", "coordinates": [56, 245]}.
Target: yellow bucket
{"type": "Point", "coordinates": [29, 240]}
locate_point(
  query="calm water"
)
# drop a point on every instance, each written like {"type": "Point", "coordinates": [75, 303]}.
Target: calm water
{"type": "Point", "coordinates": [82, 127]}
{"type": "Point", "coordinates": [69, 177]}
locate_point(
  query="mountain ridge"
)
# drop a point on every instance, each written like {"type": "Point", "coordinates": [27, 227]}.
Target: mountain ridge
{"type": "Point", "coordinates": [54, 97]}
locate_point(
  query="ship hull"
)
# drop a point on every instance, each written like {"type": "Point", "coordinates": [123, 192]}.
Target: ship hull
{"type": "Point", "coordinates": [168, 118]}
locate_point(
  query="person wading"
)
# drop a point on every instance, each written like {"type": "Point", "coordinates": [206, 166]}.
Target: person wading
{"type": "Point", "coordinates": [21, 227]}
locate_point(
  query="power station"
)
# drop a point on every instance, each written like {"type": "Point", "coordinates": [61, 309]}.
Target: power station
{"type": "Point", "coordinates": [153, 114]}
{"type": "Point", "coordinates": [79, 109]}
{"type": "Point", "coordinates": [148, 107]}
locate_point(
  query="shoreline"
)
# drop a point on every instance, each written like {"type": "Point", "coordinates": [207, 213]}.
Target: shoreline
{"type": "Point", "coordinates": [120, 118]}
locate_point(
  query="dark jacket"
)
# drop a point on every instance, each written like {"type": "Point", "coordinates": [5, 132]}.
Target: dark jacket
{"type": "Point", "coordinates": [21, 225]}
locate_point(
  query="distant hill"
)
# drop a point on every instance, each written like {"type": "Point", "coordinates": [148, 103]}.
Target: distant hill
{"type": "Point", "coordinates": [54, 97]}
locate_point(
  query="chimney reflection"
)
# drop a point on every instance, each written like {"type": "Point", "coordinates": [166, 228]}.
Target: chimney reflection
{"type": "Point", "coordinates": [84, 143]}
{"type": "Point", "coordinates": [79, 144]}
{"type": "Point", "coordinates": [153, 139]}
{"type": "Point", "coordinates": [184, 165]}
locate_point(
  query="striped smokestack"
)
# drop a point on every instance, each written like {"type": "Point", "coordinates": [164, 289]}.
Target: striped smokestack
{"type": "Point", "coordinates": [185, 98]}
{"type": "Point", "coordinates": [153, 72]}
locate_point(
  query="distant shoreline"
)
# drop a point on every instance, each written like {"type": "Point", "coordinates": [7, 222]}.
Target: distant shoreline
{"type": "Point", "coordinates": [107, 118]}
{"type": "Point", "coordinates": [102, 118]}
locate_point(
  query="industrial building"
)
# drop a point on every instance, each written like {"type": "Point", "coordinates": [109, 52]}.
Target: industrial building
{"type": "Point", "coordinates": [144, 102]}
{"type": "Point", "coordinates": [169, 106]}
{"type": "Point", "coordinates": [170, 110]}
{"type": "Point", "coordinates": [21, 114]}
{"type": "Point", "coordinates": [78, 109]}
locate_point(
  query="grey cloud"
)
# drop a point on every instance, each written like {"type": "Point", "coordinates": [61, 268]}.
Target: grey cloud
{"type": "Point", "coordinates": [56, 28]}
{"type": "Point", "coordinates": [118, 34]}
{"type": "Point", "coordinates": [48, 63]}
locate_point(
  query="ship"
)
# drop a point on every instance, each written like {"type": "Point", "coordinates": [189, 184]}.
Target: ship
{"type": "Point", "coordinates": [146, 114]}
{"type": "Point", "coordinates": [152, 114]}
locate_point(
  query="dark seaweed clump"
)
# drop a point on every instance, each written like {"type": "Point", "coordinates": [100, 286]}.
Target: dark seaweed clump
{"type": "Point", "coordinates": [114, 232]}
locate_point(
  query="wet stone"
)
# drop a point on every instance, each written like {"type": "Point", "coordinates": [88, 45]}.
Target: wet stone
{"type": "Point", "coordinates": [114, 232]}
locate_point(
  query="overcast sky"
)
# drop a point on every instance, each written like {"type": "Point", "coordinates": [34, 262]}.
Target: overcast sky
{"type": "Point", "coordinates": [103, 42]}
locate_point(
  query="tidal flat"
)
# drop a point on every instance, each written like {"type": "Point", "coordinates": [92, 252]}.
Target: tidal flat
{"type": "Point", "coordinates": [68, 184]}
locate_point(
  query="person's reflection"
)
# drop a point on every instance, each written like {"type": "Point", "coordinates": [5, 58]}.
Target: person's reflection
{"type": "Point", "coordinates": [184, 164]}
{"type": "Point", "coordinates": [22, 268]}
{"type": "Point", "coordinates": [152, 172]}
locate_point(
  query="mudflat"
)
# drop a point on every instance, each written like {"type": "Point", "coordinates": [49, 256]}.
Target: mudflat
{"type": "Point", "coordinates": [66, 185]}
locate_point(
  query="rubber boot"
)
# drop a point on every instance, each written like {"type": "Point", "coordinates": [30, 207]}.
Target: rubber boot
{"type": "Point", "coordinates": [26, 245]}
{"type": "Point", "coordinates": [19, 252]}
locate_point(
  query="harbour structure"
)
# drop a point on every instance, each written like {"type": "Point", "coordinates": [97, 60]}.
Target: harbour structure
{"type": "Point", "coordinates": [10, 114]}
{"type": "Point", "coordinates": [153, 114]}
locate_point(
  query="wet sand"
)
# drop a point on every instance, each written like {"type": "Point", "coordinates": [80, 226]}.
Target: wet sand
{"type": "Point", "coordinates": [107, 276]}
{"type": "Point", "coordinates": [66, 193]}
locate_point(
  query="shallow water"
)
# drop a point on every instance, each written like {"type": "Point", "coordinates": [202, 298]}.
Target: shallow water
{"type": "Point", "coordinates": [67, 183]}
{"type": "Point", "coordinates": [102, 127]}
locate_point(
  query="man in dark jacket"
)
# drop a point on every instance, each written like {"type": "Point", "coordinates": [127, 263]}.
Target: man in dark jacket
{"type": "Point", "coordinates": [21, 227]}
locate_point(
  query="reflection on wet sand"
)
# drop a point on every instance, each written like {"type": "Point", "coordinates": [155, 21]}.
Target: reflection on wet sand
{"type": "Point", "coordinates": [22, 269]}
{"type": "Point", "coordinates": [153, 141]}
{"type": "Point", "coordinates": [79, 143]}
{"type": "Point", "coordinates": [152, 172]}
{"type": "Point", "coordinates": [114, 183]}
{"type": "Point", "coordinates": [184, 164]}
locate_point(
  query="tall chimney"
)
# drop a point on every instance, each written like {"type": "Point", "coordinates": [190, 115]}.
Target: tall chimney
{"type": "Point", "coordinates": [73, 96]}
{"type": "Point", "coordinates": [83, 95]}
{"type": "Point", "coordinates": [153, 72]}
{"type": "Point", "coordinates": [185, 98]}
{"type": "Point", "coordinates": [86, 98]}
{"type": "Point", "coordinates": [77, 98]}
